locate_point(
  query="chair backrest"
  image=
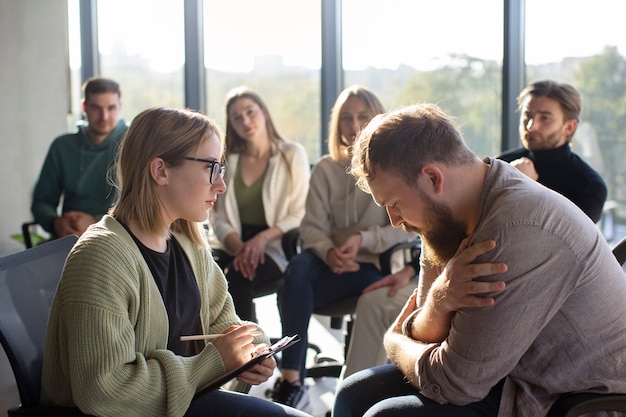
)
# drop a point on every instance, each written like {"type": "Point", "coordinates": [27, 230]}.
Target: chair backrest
{"type": "Point", "coordinates": [28, 281]}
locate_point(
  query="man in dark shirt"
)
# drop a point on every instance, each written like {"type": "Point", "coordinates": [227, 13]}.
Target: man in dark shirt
{"type": "Point", "coordinates": [549, 114]}
{"type": "Point", "coordinates": [77, 166]}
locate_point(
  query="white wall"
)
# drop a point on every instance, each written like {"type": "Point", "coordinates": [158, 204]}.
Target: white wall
{"type": "Point", "coordinates": [34, 101]}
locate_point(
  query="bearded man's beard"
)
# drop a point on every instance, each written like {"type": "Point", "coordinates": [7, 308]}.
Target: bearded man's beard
{"type": "Point", "coordinates": [441, 234]}
{"type": "Point", "coordinates": [547, 142]}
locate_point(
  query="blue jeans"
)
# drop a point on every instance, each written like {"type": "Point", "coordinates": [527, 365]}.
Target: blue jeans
{"type": "Point", "coordinates": [224, 403]}
{"type": "Point", "coordinates": [383, 391]}
{"type": "Point", "coordinates": [309, 283]}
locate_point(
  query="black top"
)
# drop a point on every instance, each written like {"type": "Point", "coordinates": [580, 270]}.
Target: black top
{"type": "Point", "coordinates": [563, 171]}
{"type": "Point", "coordinates": [177, 284]}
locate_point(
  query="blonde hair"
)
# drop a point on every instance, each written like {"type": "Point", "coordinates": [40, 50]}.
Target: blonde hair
{"type": "Point", "coordinates": [338, 148]}
{"type": "Point", "coordinates": [170, 134]}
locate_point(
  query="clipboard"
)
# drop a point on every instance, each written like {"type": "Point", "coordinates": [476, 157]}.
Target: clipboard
{"type": "Point", "coordinates": [268, 352]}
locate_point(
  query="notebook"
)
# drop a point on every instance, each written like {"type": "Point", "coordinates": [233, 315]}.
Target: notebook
{"type": "Point", "coordinates": [268, 352]}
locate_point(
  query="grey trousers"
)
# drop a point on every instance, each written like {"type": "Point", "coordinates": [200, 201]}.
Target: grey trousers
{"type": "Point", "coordinates": [375, 312]}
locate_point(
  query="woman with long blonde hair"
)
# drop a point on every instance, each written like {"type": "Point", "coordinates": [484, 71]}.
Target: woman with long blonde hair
{"type": "Point", "coordinates": [343, 233]}
{"type": "Point", "coordinates": [268, 179]}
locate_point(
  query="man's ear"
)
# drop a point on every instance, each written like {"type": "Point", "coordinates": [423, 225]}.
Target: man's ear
{"type": "Point", "coordinates": [570, 127]}
{"type": "Point", "coordinates": [433, 177]}
{"type": "Point", "coordinates": [159, 171]}
{"type": "Point", "coordinates": [83, 105]}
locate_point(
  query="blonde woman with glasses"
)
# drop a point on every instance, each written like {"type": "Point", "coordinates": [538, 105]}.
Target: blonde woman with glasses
{"type": "Point", "coordinates": [143, 277]}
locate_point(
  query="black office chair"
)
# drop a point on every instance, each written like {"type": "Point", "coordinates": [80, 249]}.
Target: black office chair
{"type": "Point", "coordinates": [27, 233]}
{"type": "Point", "coordinates": [574, 405]}
{"type": "Point", "coordinates": [343, 309]}
{"type": "Point", "coordinates": [31, 234]}
{"type": "Point", "coordinates": [28, 281]}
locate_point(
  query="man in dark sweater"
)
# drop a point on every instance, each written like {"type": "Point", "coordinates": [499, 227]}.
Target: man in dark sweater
{"type": "Point", "coordinates": [78, 165]}
{"type": "Point", "coordinates": [549, 114]}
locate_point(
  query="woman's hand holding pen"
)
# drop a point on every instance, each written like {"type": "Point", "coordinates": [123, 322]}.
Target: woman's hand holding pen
{"type": "Point", "coordinates": [236, 349]}
{"type": "Point", "coordinates": [235, 346]}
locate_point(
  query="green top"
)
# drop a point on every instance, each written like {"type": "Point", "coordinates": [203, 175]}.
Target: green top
{"type": "Point", "coordinates": [78, 170]}
{"type": "Point", "coordinates": [106, 343]}
{"type": "Point", "coordinates": [250, 199]}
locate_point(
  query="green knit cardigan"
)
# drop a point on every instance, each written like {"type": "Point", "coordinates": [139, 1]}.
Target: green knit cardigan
{"type": "Point", "coordinates": [106, 345]}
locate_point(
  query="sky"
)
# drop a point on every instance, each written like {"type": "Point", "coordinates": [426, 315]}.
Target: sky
{"type": "Point", "coordinates": [571, 28]}
{"type": "Point", "coordinates": [383, 34]}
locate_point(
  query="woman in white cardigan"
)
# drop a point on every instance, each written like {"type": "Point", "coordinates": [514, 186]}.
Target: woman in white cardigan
{"type": "Point", "coordinates": [267, 180]}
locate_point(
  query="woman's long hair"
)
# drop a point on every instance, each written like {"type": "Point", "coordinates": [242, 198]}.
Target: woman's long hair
{"type": "Point", "coordinates": [338, 147]}
{"type": "Point", "coordinates": [234, 142]}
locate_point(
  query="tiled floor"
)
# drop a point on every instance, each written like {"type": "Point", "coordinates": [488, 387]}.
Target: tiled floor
{"type": "Point", "coordinates": [321, 390]}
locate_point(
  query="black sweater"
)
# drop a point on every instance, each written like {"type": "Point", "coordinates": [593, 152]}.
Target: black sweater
{"type": "Point", "coordinates": [563, 171]}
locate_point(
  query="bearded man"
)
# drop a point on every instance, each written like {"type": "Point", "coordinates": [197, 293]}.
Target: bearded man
{"type": "Point", "coordinates": [516, 285]}
{"type": "Point", "coordinates": [549, 116]}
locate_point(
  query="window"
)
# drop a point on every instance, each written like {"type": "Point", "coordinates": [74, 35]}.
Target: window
{"type": "Point", "coordinates": [75, 64]}
{"type": "Point", "coordinates": [273, 47]}
{"type": "Point", "coordinates": [447, 52]}
{"type": "Point", "coordinates": [141, 46]}
{"type": "Point", "coordinates": [584, 46]}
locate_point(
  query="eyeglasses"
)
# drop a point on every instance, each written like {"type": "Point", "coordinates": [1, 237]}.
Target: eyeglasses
{"type": "Point", "coordinates": [216, 170]}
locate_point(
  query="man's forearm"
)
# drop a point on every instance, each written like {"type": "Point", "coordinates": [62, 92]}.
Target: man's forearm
{"type": "Point", "coordinates": [429, 324]}
{"type": "Point", "coordinates": [44, 215]}
{"type": "Point", "coordinates": [404, 353]}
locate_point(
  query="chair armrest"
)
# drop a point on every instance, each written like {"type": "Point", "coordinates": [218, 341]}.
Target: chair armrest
{"type": "Point", "coordinates": [291, 243]}
{"type": "Point", "coordinates": [26, 233]}
{"type": "Point", "coordinates": [573, 405]}
{"type": "Point", "coordinates": [410, 250]}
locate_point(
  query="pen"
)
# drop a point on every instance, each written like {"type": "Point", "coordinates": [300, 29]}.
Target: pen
{"type": "Point", "coordinates": [210, 336]}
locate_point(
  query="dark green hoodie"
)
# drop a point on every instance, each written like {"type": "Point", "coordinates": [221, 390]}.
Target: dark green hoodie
{"type": "Point", "coordinates": [78, 170]}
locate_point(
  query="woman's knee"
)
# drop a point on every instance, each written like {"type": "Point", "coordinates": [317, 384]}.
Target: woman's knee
{"type": "Point", "coordinates": [304, 260]}
{"type": "Point", "coordinates": [238, 405]}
